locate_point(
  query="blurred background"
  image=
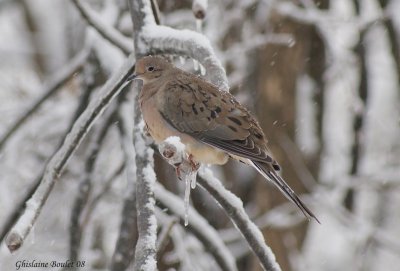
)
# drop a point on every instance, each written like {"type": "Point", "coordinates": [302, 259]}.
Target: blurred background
{"type": "Point", "coordinates": [321, 76]}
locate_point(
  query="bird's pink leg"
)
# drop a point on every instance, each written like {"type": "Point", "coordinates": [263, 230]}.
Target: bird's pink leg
{"type": "Point", "coordinates": [178, 170]}
{"type": "Point", "coordinates": [195, 166]}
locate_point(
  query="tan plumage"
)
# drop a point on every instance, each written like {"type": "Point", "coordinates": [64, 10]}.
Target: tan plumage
{"type": "Point", "coordinates": [211, 123]}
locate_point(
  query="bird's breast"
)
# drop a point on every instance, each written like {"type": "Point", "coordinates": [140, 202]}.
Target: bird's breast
{"type": "Point", "coordinates": [160, 130]}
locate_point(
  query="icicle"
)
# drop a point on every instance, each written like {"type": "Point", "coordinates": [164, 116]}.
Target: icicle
{"type": "Point", "coordinates": [202, 70]}
{"type": "Point", "coordinates": [182, 60]}
{"type": "Point", "coordinates": [193, 180]}
{"type": "Point", "coordinates": [187, 198]}
{"type": "Point", "coordinates": [199, 25]}
{"type": "Point", "coordinates": [195, 65]}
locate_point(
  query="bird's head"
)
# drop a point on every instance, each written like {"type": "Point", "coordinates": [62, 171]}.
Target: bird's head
{"type": "Point", "coordinates": [150, 68]}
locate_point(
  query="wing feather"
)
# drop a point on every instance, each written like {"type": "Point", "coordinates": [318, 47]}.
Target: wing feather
{"type": "Point", "coordinates": [213, 117]}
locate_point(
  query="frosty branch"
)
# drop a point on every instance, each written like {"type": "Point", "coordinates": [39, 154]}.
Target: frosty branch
{"type": "Point", "coordinates": [198, 226]}
{"type": "Point", "coordinates": [108, 32]}
{"type": "Point", "coordinates": [232, 205]}
{"type": "Point", "coordinates": [57, 163]}
{"type": "Point", "coordinates": [77, 222]}
{"type": "Point", "coordinates": [56, 81]}
{"type": "Point", "coordinates": [156, 39]}
{"type": "Point", "coordinates": [128, 234]}
{"type": "Point", "coordinates": [145, 253]}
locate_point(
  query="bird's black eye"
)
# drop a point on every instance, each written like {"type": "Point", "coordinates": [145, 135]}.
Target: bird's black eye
{"type": "Point", "coordinates": [150, 69]}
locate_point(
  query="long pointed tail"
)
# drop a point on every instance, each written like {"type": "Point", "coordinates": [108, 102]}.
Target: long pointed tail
{"type": "Point", "coordinates": [270, 174]}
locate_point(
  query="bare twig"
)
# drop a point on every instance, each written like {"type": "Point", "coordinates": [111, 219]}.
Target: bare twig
{"type": "Point", "coordinates": [107, 31]}
{"type": "Point", "coordinates": [163, 238]}
{"type": "Point", "coordinates": [156, 11]}
{"type": "Point", "coordinates": [57, 163]}
{"type": "Point", "coordinates": [198, 226]}
{"type": "Point", "coordinates": [107, 184]}
{"type": "Point", "coordinates": [56, 81]}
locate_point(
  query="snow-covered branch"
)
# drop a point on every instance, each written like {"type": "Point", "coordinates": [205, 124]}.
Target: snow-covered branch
{"type": "Point", "coordinates": [56, 81]}
{"type": "Point", "coordinates": [145, 253]}
{"type": "Point", "coordinates": [233, 206]}
{"type": "Point", "coordinates": [108, 32]}
{"type": "Point", "coordinates": [166, 40]}
{"type": "Point", "coordinates": [85, 186]}
{"type": "Point", "coordinates": [199, 226]}
{"type": "Point", "coordinates": [155, 39]}
{"type": "Point", "coordinates": [57, 163]}
{"type": "Point", "coordinates": [128, 234]}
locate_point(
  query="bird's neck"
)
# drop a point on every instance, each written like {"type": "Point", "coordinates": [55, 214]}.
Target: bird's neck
{"type": "Point", "coordinates": [149, 89]}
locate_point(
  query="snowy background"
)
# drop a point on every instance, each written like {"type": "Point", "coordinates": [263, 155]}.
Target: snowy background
{"type": "Point", "coordinates": [321, 76]}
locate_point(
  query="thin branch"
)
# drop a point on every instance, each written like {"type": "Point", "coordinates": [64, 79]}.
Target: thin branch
{"type": "Point", "coordinates": [107, 185]}
{"type": "Point", "coordinates": [198, 226]}
{"type": "Point", "coordinates": [13, 217]}
{"type": "Point", "coordinates": [233, 206]}
{"type": "Point", "coordinates": [106, 31]}
{"type": "Point", "coordinates": [156, 11]}
{"type": "Point", "coordinates": [57, 163]}
{"type": "Point", "coordinates": [162, 240]}
{"type": "Point", "coordinates": [128, 234]}
{"type": "Point", "coordinates": [56, 81]}
{"type": "Point", "coordinates": [81, 200]}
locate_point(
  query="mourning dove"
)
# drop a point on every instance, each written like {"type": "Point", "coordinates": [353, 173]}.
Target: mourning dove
{"type": "Point", "coordinates": [211, 123]}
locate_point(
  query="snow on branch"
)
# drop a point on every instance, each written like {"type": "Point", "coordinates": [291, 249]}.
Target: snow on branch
{"type": "Point", "coordinates": [108, 32]}
{"type": "Point", "coordinates": [199, 226]}
{"type": "Point", "coordinates": [233, 206]}
{"type": "Point", "coordinates": [128, 234]}
{"type": "Point", "coordinates": [57, 163]}
{"type": "Point", "coordinates": [166, 40]}
{"type": "Point", "coordinates": [56, 81]}
{"type": "Point", "coordinates": [199, 8]}
{"type": "Point", "coordinates": [156, 39]}
{"type": "Point", "coordinates": [85, 186]}
{"type": "Point", "coordinates": [145, 254]}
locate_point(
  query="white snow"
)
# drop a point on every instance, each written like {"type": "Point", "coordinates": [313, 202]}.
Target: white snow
{"type": "Point", "coordinates": [176, 142]}
{"type": "Point", "coordinates": [173, 203]}
{"type": "Point", "coordinates": [187, 42]}
{"type": "Point", "coordinates": [237, 204]}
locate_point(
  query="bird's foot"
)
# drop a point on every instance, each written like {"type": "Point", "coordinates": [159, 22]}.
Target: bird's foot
{"type": "Point", "coordinates": [195, 165]}
{"type": "Point", "coordinates": [178, 170]}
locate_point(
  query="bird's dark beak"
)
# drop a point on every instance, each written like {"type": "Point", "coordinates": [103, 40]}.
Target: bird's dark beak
{"type": "Point", "coordinates": [130, 78]}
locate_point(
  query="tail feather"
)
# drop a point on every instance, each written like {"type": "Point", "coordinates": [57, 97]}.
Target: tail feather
{"type": "Point", "coordinates": [271, 175]}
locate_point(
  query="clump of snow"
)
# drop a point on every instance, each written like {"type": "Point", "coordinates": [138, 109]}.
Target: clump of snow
{"type": "Point", "coordinates": [176, 141]}
{"type": "Point", "coordinates": [188, 43]}
{"type": "Point", "coordinates": [199, 8]}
